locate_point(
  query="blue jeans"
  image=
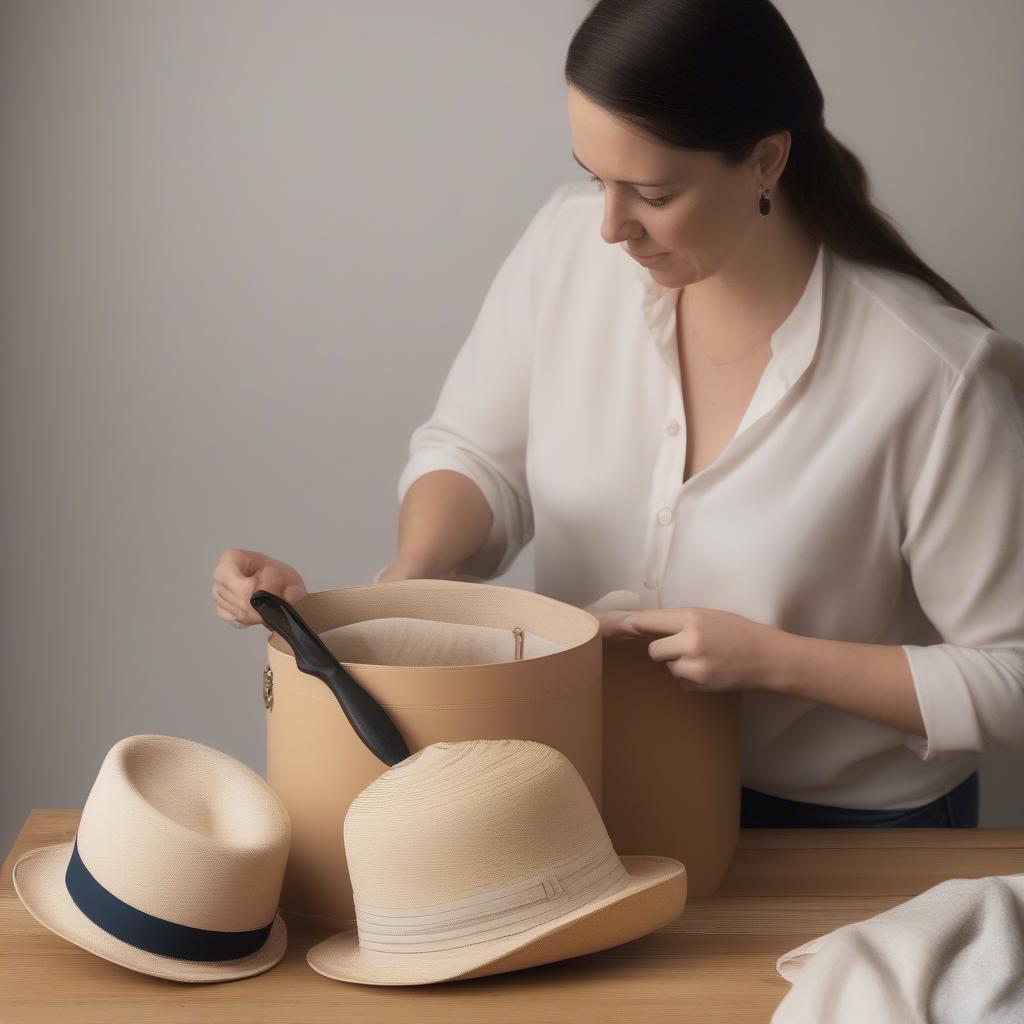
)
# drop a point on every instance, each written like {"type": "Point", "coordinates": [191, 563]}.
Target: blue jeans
{"type": "Point", "coordinates": [956, 809]}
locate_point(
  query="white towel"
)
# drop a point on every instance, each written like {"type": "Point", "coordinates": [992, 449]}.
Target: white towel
{"type": "Point", "coordinates": [952, 955]}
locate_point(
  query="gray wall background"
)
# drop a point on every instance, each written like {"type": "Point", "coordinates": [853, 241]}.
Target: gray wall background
{"type": "Point", "coordinates": [241, 243]}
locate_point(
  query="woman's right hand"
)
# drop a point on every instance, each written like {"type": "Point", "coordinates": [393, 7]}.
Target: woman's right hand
{"type": "Point", "coordinates": [240, 573]}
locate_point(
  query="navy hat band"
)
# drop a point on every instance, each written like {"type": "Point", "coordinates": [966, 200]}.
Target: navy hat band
{"type": "Point", "coordinates": [149, 933]}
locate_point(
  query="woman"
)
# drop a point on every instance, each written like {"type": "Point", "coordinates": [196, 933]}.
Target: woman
{"type": "Point", "coordinates": [722, 381]}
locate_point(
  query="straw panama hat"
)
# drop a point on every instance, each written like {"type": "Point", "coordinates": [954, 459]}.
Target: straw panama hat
{"type": "Point", "coordinates": [486, 856]}
{"type": "Point", "coordinates": [176, 868]}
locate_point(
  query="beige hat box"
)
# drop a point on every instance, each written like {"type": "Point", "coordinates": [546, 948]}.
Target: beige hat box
{"type": "Point", "coordinates": [452, 660]}
{"type": "Point", "coordinates": [671, 766]}
{"type": "Point", "coordinates": [446, 660]}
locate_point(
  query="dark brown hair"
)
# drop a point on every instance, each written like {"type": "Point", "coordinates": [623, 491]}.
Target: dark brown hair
{"type": "Point", "coordinates": [719, 75]}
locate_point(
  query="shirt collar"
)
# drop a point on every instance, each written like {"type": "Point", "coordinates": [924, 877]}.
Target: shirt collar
{"type": "Point", "coordinates": [793, 342]}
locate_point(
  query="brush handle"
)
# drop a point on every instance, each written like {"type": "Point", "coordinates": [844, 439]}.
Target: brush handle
{"type": "Point", "coordinates": [369, 720]}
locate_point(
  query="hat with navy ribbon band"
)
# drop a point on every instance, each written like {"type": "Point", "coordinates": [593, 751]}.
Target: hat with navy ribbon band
{"type": "Point", "coordinates": [176, 868]}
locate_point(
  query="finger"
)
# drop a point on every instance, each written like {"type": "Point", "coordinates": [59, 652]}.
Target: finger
{"type": "Point", "coordinates": [667, 648]}
{"type": "Point", "coordinates": [657, 620]}
{"type": "Point", "coordinates": [248, 616]}
{"type": "Point", "coordinates": [613, 627]}
{"type": "Point", "coordinates": [241, 614]}
{"type": "Point", "coordinates": [269, 578]}
{"type": "Point", "coordinates": [688, 670]}
{"type": "Point", "coordinates": [234, 571]}
{"type": "Point", "coordinates": [678, 645]}
{"type": "Point", "coordinates": [229, 618]}
{"type": "Point", "coordinates": [226, 611]}
{"type": "Point", "coordinates": [225, 597]}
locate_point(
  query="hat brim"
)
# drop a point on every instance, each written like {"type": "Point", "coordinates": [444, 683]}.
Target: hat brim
{"type": "Point", "coordinates": [39, 882]}
{"type": "Point", "coordinates": [655, 895]}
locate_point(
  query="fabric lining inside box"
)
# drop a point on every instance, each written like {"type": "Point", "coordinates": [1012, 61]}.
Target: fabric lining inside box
{"type": "Point", "coordinates": [399, 640]}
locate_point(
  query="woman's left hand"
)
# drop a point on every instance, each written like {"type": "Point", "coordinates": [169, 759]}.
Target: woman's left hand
{"type": "Point", "coordinates": [706, 649]}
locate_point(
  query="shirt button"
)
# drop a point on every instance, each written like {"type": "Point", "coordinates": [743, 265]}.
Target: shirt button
{"type": "Point", "coordinates": [672, 429]}
{"type": "Point", "coordinates": [665, 516]}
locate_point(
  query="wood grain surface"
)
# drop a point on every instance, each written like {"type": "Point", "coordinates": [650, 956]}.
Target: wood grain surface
{"type": "Point", "coordinates": [715, 963]}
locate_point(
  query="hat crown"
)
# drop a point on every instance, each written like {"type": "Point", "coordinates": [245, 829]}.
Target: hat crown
{"type": "Point", "coordinates": [463, 829]}
{"type": "Point", "coordinates": [186, 833]}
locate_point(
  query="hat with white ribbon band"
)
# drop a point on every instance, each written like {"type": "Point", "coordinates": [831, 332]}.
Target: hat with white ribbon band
{"type": "Point", "coordinates": [486, 856]}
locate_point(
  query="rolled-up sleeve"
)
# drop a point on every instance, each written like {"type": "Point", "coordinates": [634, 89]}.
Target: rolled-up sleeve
{"type": "Point", "coordinates": [964, 544]}
{"type": "Point", "coordinates": [480, 423]}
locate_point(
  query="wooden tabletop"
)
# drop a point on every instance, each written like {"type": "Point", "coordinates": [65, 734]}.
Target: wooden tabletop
{"type": "Point", "coordinates": [715, 963]}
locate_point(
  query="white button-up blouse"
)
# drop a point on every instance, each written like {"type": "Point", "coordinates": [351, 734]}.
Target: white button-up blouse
{"type": "Point", "coordinates": [873, 491]}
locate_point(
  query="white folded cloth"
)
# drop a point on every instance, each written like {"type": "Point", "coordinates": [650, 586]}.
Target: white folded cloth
{"type": "Point", "coordinates": [952, 955]}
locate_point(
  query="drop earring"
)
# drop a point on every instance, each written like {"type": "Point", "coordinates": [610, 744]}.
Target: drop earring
{"type": "Point", "coordinates": [765, 204]}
